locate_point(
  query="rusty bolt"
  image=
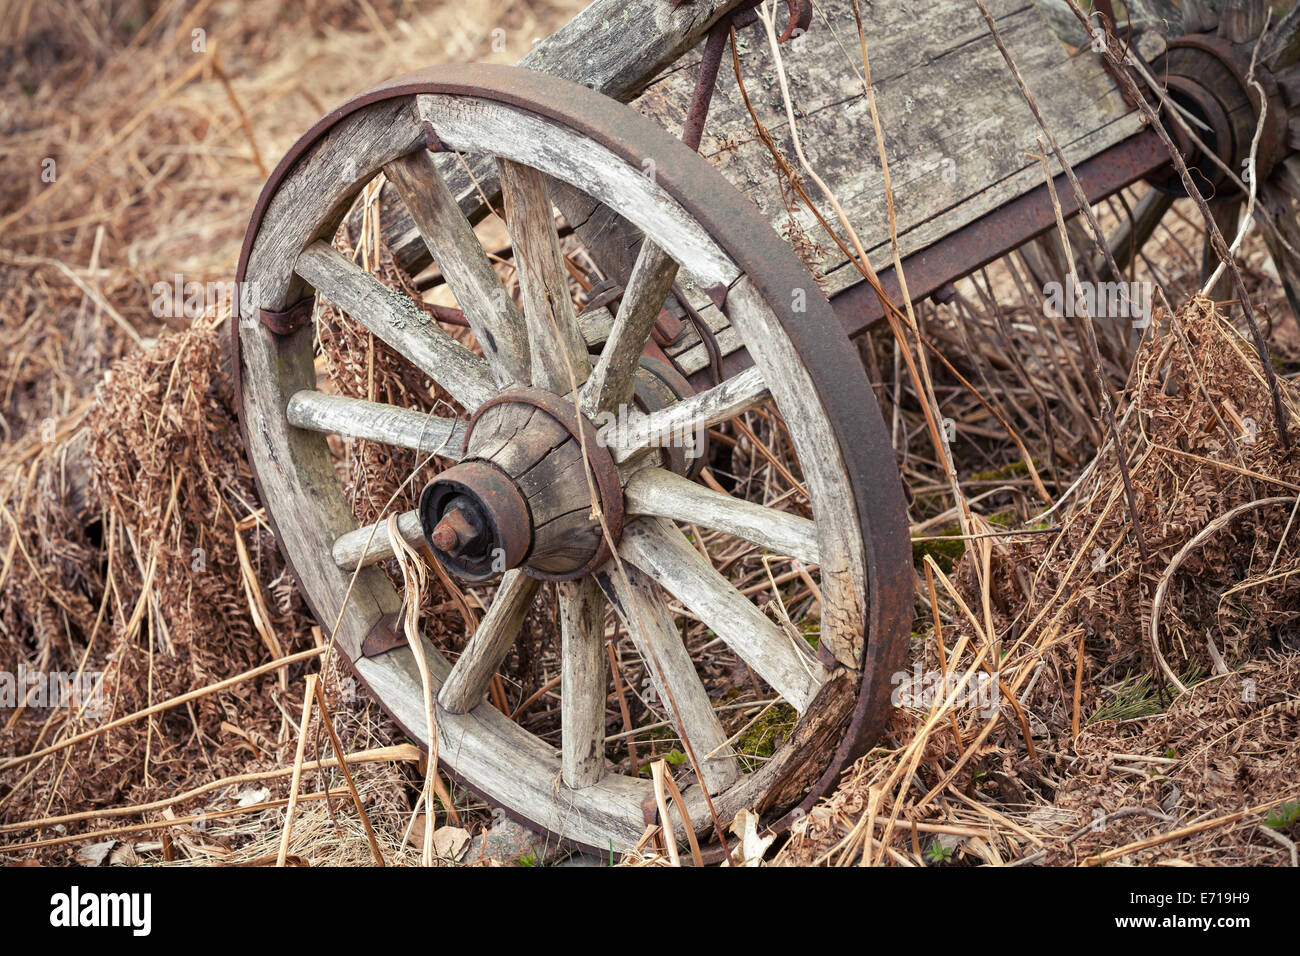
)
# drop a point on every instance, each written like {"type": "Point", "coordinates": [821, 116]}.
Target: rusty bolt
{"type": "Point", "coordinates": [453, 532]}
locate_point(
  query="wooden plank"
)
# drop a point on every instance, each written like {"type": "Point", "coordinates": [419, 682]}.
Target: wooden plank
{"type": "Point", "coordinates": [613, 46]}
{"type": "Point", "coordinates": [785, 661]}
{"type": "Point", "coordinates": [468, 681]}
{"type": "Point", "coordinates": [492, 314]}
{"type": "Point", "coordinates": [1163, 16]}
{"type": "Point", "coordinates": [672, 424]}
{"type": "Point", "coordinates": [956, 128]}
{"type": "Point", "coordinates": [657, 492]}
{"type": "Point", "coordinates": [582, 682]}
{"type": "Point", "coordinates": [374, 421]}
{"type": "Point", "coordinates": [395, 319]}
{"type": "Point", "coordinates": [640, 605]}
{"type": "Point", "coordinates": [558, 351]}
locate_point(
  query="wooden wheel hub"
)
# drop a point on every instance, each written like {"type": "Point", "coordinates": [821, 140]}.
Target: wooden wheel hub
{"type": "Point", "coordinates": [520, 497]}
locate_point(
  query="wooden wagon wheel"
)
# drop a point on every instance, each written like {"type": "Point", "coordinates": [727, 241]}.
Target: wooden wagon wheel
{"type": "Point", "coordinates": [492, 511]}
{"type": "Point", "coordinates": [1231, 79]}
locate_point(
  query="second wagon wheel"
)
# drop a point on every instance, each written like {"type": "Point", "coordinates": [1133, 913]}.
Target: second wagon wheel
{"type": "Point", "coordinates": [520, 499]}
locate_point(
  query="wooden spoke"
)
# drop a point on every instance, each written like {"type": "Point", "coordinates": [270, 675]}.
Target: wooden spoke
{"type": "Point", "coordinates": [491, 312]}
{"type": "Point", "coordinates": [397, 320]}
{"type": "Point", "coordinates": [1286, 262]}
{"type": "Point", "coordinates": [487, 649]}
{"type": "Point", "coordinates": [683, 420]}
{"type": "Point", "coordinates": [783, 660]}
{"type": "Point", "coordinates": [370, 545]}
{"type": "Point", "coordinates": [640, 605]}
{"type": "Point", "coordinates": [1132, 234]}
{"type": "Point", "coordinates": [582, 683]}
{"type": "Point", "coordinates": [374, 421]}
{"type": "Point", "coordinates": [613, 379]}
{"type": "Point", "coordinates": [662, 493]}
{"type": "Point", "coordinates": [558, 352]}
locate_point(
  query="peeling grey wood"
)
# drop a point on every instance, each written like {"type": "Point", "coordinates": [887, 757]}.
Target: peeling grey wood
{"type": "Point", "coordinates": [839, 533]}
{"type": "Point", "coordinates": [498, 327]}
{"type": "Point", "coordinates": [558, 352]}
{"type": "Point", "coordinates": [783, 660]}
{"type": "Point", "coordinates": [374, 421]}
{"type": "Point", "coordinates": [662, 493]}
{"type": "Point", "coordinates": [956, 128]}
{"type": "Point", "coordinates": [640, 605]}
{"type": "Point", "coordinates": [612, 380]}
{"type": "Point", "coordinates": [689, 416]}
{"type": "Point", "coordinates": [1163, 16]}
{"type": "Point", "coordinates": [468, 681]}
{"type": "Point", "coordinates": [370, 545]}
{"type": "Point", "coordinates": [395, 319]}
{"type": "Point", "coordinates": [582, 682]}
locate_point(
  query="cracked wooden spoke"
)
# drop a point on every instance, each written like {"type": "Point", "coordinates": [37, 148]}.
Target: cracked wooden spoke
{"type": "Point", "coordinates": [492, 314]}
{"type": "Point", "coordinates": [559, 359]}
{"type": "Point", "coordinates": [374, 421]}
{"type": "Point", "coordinates": [680, 422]}
{"type": "Point", "coordinates": [468, 681]}
{"type": "Point", "coordinates": [370, 545]}
{"type": "Point", "coordinates": [582, 682]}
{"type": "Point", "coordinates": [640, 605]}
{"type": "Point", "coordinates": [613, 379]}
{"type": "Point", "coordinates": [783, 660]}
{"type": "Point", "coordinates": [661, 493]}
{"type": "Point", "coordinates": [395, 319]}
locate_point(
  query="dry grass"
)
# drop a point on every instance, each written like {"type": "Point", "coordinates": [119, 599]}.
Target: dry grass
{"type": "Point", "coordinates": [123, 489]}
{"type": "Point", "coordinates": [123, 481]}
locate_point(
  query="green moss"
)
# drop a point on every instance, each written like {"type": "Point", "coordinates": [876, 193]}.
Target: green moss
{"type": "Point", "coordinates": [1013, 469]}
{"type": "Point", "coordinates": [1004, 519]}
{"type": "Point", "coordinates": [765, 735]}
{"type": "Point", "coordinates": [946, 551]}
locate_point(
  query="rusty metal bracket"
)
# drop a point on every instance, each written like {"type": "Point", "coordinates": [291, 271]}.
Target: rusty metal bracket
{"type": "Point", "coordinates": [291, 319]}
{"type": "Point", "coordinates": [385, 636]}
{"type": "Point", "coordinates": [702, 328]}
{"type": "Point", "coordinates": [603, 293]}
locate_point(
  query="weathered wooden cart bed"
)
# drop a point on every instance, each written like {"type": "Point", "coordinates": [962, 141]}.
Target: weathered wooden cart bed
{"type": "Point", "coordinates": [701, 312]}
